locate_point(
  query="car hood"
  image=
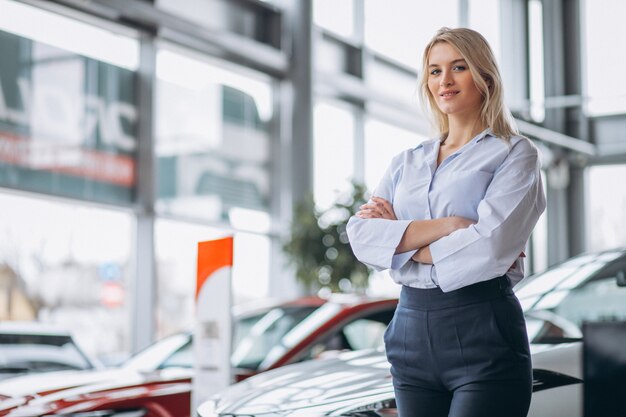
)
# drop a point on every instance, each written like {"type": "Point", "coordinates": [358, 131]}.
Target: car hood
{"type": "Point", "coordinates": [41, 392]}
{"type": "Point", "coordinates": [319, 384]}
{"type": "Point", "coordinates": [350, 381]}
{"type": "Point", "coordinates": [44, 383]}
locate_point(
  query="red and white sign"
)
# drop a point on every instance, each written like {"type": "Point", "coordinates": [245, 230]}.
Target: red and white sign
{"type": "Point", "coordinates": [72, 160]}
{"type": "Point", "coordinates": [212, 333]}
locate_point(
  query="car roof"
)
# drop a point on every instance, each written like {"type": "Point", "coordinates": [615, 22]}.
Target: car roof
{"type": "Point", "coordinates": [357, 299]}
{"type": "Point", "coordinates": [32, 328]}
{"type": "Point", "coordinates": [252, 307]}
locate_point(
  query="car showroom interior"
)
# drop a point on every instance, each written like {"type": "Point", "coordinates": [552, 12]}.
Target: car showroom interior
{"type": "Point", "coordinates": [199, 217]}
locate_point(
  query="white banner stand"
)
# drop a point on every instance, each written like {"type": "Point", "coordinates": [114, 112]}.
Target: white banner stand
{"type": "Point", "coordinates": [212, 333]}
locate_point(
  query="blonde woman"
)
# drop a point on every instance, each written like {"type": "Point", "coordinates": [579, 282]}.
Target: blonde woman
{"type": "Point", "coordinates": [450, 220]}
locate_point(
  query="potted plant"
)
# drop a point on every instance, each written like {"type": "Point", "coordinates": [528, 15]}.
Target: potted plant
{"type": "Point", "coordinates": [318, 246]}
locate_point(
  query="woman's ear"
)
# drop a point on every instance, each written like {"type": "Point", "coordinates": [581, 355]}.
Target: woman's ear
{"type": "Point", "coordinates": [488, 81]}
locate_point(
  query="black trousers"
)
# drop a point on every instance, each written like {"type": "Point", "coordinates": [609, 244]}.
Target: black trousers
{"type": "Point", "coordinates": [460, 354]}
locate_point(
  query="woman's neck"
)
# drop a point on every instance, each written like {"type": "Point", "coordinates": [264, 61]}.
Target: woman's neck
{"type": "Point", "coordinates": [461, 132]}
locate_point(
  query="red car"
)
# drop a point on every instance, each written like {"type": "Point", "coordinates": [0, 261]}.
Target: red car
{"type": "Point", "coordinates": [157, 381]}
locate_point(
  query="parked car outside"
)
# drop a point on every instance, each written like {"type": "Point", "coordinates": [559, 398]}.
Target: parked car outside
{"type": "Point", "coordinates": [157, 382]}
{"type": "Point", "coordinates": [589, 287]}
{"type": "Point", "coordinates": [32, 347]}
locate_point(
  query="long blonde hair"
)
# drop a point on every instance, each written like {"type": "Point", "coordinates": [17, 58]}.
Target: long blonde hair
{"type": "Point", "coordinates": [474, 48]}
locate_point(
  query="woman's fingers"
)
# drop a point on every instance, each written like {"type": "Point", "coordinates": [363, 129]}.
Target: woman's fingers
{"type": "Point", "coordinates": [368, 214]}
{"type": "Point", "coordinates": [385, 206]}
{"type": "Point", "coordinates": [376, 209]}
{"type": "Point", "coordinates": [373, 208]}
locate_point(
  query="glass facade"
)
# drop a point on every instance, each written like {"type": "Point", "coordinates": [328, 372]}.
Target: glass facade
{"type": "Point", "coordinates": [67, 123]}
{"type": "Point", "coordinates": [72, 268]}
{"type": "Point", "coordinates": [213, 147]}
{"type": "Point", "coordinates": [68, 128]}
{"type": "Point", "coordinates": [604, 57]}
{"type": "Point", "coordinates": [606, 205]}
{"type": "Point", "coordinates": [335, 16]}
{"type": "Point", "coordinates": [333, 153]}
{"type": "Point", "coordinates": [78, 119]}
{"type": "Point", "coordinates": [416, 21]}
{"type": "Point", "coordinates": [382, 142]}
{"type": "Point", "coordinates": [176, 245]}
{"type": "Point", "coordinates": [213, 143]}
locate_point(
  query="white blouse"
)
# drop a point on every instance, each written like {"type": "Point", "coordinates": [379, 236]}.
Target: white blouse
{"type": "Point", "coordinates": [496, 184]}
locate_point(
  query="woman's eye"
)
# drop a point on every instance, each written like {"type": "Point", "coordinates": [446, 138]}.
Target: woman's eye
{"type": "Point", "coordinates": [435, 72]}
{"type": "Point", "coordinates": [460, 68]}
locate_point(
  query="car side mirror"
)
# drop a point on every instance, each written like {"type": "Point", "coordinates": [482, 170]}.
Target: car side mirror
{"type": "Point", "coordinates": [620, 278]}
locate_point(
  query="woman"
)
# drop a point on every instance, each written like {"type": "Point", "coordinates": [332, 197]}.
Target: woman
{"type": "Point", "coordinates": [450, 219]}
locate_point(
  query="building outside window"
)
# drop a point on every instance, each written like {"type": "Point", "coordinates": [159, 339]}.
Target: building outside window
{"type": "Point", "coordinates": [213, 148]}
{"type": "Point", "coordinates": [68, 122]}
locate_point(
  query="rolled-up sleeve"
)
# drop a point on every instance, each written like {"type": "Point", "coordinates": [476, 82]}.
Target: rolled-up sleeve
{"type": "Point", "coordinates": [374, 241]}
{"type": "Point", "coordinates": [507, 215]}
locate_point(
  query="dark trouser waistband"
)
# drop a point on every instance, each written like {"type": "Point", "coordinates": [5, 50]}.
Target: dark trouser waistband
{"type": "Point", "coordinates": [435, 298]}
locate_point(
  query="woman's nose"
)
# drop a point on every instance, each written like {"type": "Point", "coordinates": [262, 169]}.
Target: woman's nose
{"type": "Point", "coordinates": [446, 79]}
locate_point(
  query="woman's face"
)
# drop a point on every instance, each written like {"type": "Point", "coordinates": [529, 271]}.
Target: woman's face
{"type": "Point", "coordinates": [450, 81]}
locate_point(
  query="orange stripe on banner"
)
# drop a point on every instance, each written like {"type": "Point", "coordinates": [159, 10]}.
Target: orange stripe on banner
{"type": "Point", "coordinates": [213, 255]}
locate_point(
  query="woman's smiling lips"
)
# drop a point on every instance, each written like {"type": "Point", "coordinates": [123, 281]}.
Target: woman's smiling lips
{"type": "Point", "coordinates": [448, 94]}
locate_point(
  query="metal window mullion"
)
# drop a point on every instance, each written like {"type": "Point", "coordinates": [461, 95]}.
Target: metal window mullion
{"type": "Point", "coordinates": [360, 112]}
{"type": "Point", "coordinates": [144, 283]}
{"type": "Point", "coordinates": [463, 13]}
{"type": "Point", "coordinates": [554, 66]}
{"type": "Point", "coordinates": [514, 47]}
{"type": "Point", "coordinates": [572, 74]}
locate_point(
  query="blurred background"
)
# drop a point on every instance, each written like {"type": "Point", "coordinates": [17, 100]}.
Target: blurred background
{"type": "Point", "coordinates": [131, 130]}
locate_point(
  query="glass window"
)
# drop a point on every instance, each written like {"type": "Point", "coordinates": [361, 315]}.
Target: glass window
{"type": "Point", "coordinates": [606, 205]}
{"type": "Point", "coordinates": [32, 353]}
{"type": "Point", "coordinates": [182, 358]}
{"type": "Point", "coordinates": [335, 16]}
{"type": "Point", "coordinates": [333, 154]}
{"type": "Point", "coordinates": [330, 56]}
{"type": "Point", "coordinates": [71, 268]}
{"type": "Point", "coordinates": [266, 334]}
{"type": "Point", "coordinates": [212, 137]}
{"type": "Point", "coordinates": [251, 269]}
{"type": "Point", "coordinates": [176, 247]}
{"type": "Point", "coordinates": [604, 56]}
{"type": "Point", "coordinates": [176, 250]}
{"type": "Point", "coordinates": [393, 82]}
{"type": "Point", "coordinates": [364, 334]}
{"type": "Point", "coordinates": [382, 142]}
{"type": "Point", "coordinates": [484, 17]}
{"type": "Point", "coordinates": [70, 34]}
{"type": "Point", "coordinates": [598, 300]}
{"type": "Point", "coordinates": [401, 29]}
{"type": "Point", "coordinates": [547, 289]}
{"type": "Point", "coordinates": [68, 116]}
{"type": "Point", "coordinates": [153, 356]}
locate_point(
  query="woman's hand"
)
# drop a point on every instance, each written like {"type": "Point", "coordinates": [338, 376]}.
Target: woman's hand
{"type": "Point", "coordinates": [379, 208]}
{"type": "Point", "coordinates": [423, 256]}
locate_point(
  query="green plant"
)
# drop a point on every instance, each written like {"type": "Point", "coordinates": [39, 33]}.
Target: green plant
{"type": "Point", "coordinates": [319, 247]}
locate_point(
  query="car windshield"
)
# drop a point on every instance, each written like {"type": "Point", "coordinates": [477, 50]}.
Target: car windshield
{"type": "Point", "coordinates": [265, 334]}
{"type": "Point", "coordinates": [152, 357]}
{"type": "Point", "coordinates": [24, 353]}
{"type": "Point", "coordinates": [253, 336]}
{"type": "Point", "coordinates": [567, 275]}
{"type": "Point", "coordinates": [585, 288]}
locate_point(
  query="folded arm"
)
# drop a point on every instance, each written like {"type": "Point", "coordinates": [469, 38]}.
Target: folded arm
{"type": "Point", "coordinates": [382, 241]}
{"type": "Point", "coordinates": [507, 215]}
